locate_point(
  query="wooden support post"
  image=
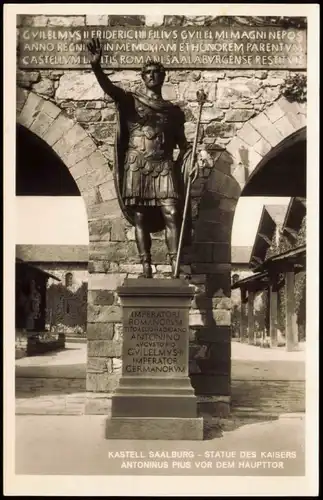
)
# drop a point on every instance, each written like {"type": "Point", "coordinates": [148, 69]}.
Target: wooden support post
{"type": "Point", "coordinates": [291, 323]}
{"type": "Point", "coordinates": [251, 317]}
{"type": "Point", "coordinates": [273, 314]}
{"type": "Point", "coordinates": [243, 325]}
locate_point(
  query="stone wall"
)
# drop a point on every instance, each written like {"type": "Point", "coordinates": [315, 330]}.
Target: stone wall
{"type": "Point", "coordinates": [244, 117]}
{"type": "Point", "coordinates": [66, 304]}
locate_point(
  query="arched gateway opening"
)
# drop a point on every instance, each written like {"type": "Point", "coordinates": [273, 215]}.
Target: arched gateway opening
{"type": "Point", "coordinates": [43, 178]}
{"type": "Point", "coordinates": [282, 172]}
{"type": "Point", "coordinates": [56, 157]}
{"type": "Point", "coordinates": [39, 170]}
{"type": "Point", "coordinates": [248, 158]}
{"type": "Point", "coordinates": [268, 301]}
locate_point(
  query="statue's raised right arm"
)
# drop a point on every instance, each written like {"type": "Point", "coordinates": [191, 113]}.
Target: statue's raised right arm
{"type": "Point", "coordinates": [95, 54]}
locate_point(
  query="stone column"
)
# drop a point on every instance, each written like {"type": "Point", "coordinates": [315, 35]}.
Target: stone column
{"type": "Point", "coordinates": [273, 312]}
{"type": "Point", "coordinates": [243, 323]}
{"type": "Point", "coordinates": [251, 317]}
{"type": "Point", "coordinates": [155, 398]}
{"type": "Point", "coordinates": [291, 322]}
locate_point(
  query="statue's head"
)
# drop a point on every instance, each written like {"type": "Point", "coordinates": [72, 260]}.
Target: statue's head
{"type": "Point", "coordinates": [153, 74]}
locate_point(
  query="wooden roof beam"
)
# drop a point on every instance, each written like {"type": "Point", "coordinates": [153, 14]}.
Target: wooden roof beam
{"type": "Point", "coordinates": [265, 238]}
{"type": "Point", "coordinates": [257, 260]}
{"type": "Point", "coordinates": [290, 232]}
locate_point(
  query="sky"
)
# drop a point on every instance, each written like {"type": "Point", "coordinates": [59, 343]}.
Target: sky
{"type": "Point", "coordinates": [247, 216]}
{"type": "Point", "coordinates": [63, 220]}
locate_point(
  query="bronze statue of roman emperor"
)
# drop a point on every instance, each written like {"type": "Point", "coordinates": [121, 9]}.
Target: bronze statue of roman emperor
{"type": "Point", "coordinates": [150, 184]}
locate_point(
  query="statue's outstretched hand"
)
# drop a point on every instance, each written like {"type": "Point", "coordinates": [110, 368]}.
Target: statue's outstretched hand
{"type": "Point", "coordinates": [95, 51]}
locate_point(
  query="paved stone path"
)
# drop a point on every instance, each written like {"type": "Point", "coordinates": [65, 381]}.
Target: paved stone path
{"type": "Point", "coordinates": [264, 381]}
{"type": "Point", "coordinates": [269, 381]}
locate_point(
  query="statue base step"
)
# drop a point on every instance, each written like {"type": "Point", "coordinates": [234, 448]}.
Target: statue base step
{"type": "Point", "coordinates": [154, 397]}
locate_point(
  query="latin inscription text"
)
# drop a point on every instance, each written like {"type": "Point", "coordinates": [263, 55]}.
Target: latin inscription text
{"type": "Point", "coordinates": [214, 47]}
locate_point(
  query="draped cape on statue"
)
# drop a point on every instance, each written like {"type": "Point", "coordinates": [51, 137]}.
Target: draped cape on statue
{"type": "Point", "coordinates": [155, 221]}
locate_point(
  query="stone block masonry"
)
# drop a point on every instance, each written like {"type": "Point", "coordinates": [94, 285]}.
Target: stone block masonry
{"type": "Point", "coordinates": [244, 117]}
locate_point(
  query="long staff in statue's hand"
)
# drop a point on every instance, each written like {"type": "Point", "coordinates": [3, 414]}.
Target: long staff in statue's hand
{"type": "Point", "coordinates": [201, 98]}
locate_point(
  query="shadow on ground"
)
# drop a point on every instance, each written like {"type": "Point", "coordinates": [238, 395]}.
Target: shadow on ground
{"type": "Point", "coordinates": [53, 353]}
{"type": "Point", "coordinates": [45, 391]}
{"type": "Point", "coordinates": [268, 396]}
{"type": "Point", "coordinates": [54, 371]}
{"type": "Point", "coordinates": [267, 369]}
{"type": "Point", "coordinates": [33, 381]}
{"type": "Point", "coordinates": [214, 428]}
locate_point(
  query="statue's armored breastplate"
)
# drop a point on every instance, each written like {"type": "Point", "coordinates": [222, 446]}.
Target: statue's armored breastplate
{"type": "Point", "coordinates": [150, 132]}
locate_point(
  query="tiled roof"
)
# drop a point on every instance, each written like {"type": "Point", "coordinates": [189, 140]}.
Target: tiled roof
{"type": "Point", "coordinates": [52, 253]}
{"type": "Point", "coordinates": [272, 216]}
{"type": "Point", "coordinates": [20, 262]}
{"type": "Point", "coordinates": [296, 211]}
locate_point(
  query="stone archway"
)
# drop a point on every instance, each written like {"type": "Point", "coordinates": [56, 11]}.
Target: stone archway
{"type": "Point", "coordinates": [73, 145]}
{"type": "Point", "coordinates": [249, 148]}
{"type": "Point", "coordinates": [93, 176]}
{"type": "Point", "coordinates": [256, 138]}
{"type": "Point", "coordinates": [231, 172]}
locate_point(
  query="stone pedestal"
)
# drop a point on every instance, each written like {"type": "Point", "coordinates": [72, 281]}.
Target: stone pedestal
{"type": "Point", "coordinates": [155, 399]}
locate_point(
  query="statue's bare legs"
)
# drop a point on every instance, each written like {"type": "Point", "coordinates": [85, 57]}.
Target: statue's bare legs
{"type": "Point", "coordinates": [143, 238]}
{"type": "Point", "coordinates": [170, 214]}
